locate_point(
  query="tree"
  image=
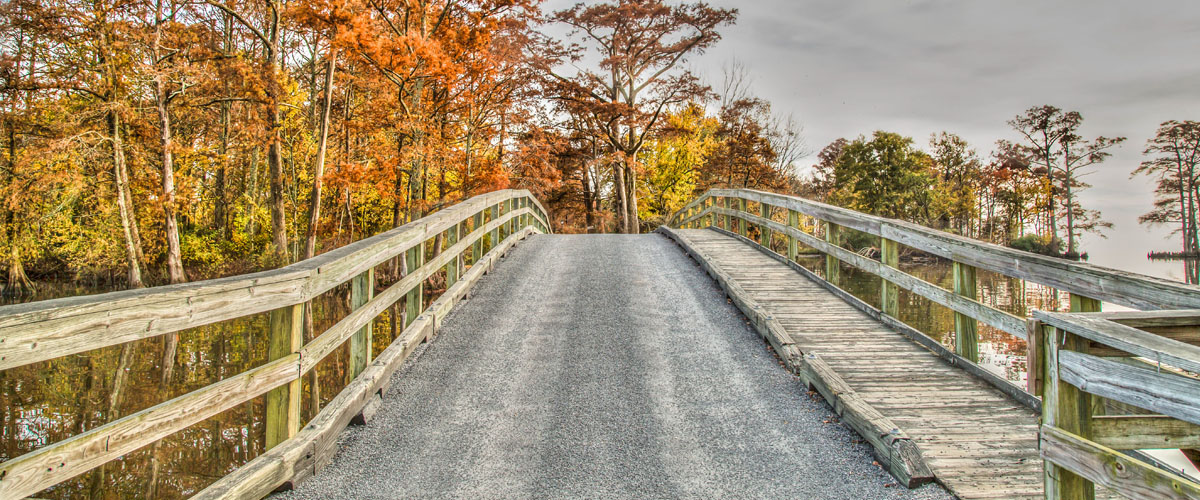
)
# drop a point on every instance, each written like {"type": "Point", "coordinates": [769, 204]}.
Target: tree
{"type": "Point", "coordinates": [1175, 156]}
{"type": "Point", "coordinates": [684, 142]}
{"type": "Point", "coordinates": [1063, 155]}
{"type": "Point", "coordinates": [958, 171]}
{"type": "Point", "coordinates": [640, 45]}
{"type": "Point", "coordinates": [884, 175]}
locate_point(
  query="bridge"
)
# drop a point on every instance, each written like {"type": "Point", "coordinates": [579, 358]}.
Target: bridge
{"type": "Point", "coordinates": [713, 358]}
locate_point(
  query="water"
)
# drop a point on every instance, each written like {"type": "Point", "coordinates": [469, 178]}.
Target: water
{"type": "Point", "coordinates": [46, 402]}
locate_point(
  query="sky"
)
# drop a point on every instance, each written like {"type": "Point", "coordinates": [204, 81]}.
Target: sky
{"type": "Point", "coordinates": [848, 68]}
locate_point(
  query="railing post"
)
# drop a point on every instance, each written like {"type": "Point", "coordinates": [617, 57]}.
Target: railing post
{"type": "Point", "coordinates": [764, 231]}
{"type": "Point", "coordinates": [833, 270]}
{"type": "Point", "coordinates": [728, 218]}
{"type": "Point", "coordinates": [1079, 303]}
{"type": "Point", "coordinates": [794, 223]}
{"type": "Point", "coordinates": [496, 230]}
{"type": "Point", "coordinates": [966, 337]}
{"type": "Point", "coordinates": [415, 299]}
{"type": "Point", "coordinates": [477, 245]}
{"type": "Point", "coordinates": [1068, 408]}
{"type": "Point", "coordinates": [283, 403]}
{"type": "Point", "coordinates": [889, 293]}
{"type": "Point", "coordinates": [452, 266]}
{"type": "Point", "coordinates": [708, 204]}
{"type": "Point", "coordinates": [742, 220]}
{"type": "Point", "coordinates": [362, 289]}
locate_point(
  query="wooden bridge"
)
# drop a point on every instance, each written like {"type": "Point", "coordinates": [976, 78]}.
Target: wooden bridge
{"type": "Point", "coordinates": [1102, 385]}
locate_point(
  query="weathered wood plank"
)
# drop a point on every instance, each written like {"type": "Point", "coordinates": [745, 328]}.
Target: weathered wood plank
{"type": "Point", "coordinates": [994, 317]}
{"type": "Point", "coordinates": [1163, 393]}
{"type": "Point", "coordinates": [966, 337]}
{"type": "Point", "coordinates": [313, 446]}
{"type": "Point", "coordinates": [37, 470]}
{"type": "Point", "coordinates": [1135, 432]}
{"type": "Point", "coordinates": [283, 403]}
{"type": "Point", "coordinates": [1109, 285]}
{"type": "Point", "coordinates": [50, 329]}
{"type": "Point", "coordinates": [362, 290]}
{"type": "Point", "coordinates": [1107, 467]}
{"type": "Point", "coordinates": [1126, 338]}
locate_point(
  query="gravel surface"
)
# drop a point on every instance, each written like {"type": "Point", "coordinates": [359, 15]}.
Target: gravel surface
{"type": "Point", "coordinates": [600, 366]}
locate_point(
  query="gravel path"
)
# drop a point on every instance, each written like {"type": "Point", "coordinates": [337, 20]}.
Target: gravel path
{"type": "Point", "coordinates": [600, 366]}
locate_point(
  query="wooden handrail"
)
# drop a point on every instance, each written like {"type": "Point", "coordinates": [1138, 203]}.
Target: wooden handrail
{"type": "Point", "coordinates": [1097, 282]}
{"type": "Point", "coordinates": [55, 328]}
{"type": "Point", "coordinates": [38, 331]}
{"type": "Point", "coordinates": [1080, 444]}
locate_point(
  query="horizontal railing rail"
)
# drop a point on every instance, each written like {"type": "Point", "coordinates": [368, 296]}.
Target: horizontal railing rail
{"type": "Point", "coordinates": [1087, 284]}
{"type": "Point", "coordinates": [52, 329]}
{"type": "Point", "coordinates": [1143, 361]}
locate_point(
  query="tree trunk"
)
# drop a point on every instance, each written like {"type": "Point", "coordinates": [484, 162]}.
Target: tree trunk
{"type": "Point", "coordinates": [587, 199]}
{"type": "Point", "coordinates": [622, 204]}
{"type": "Point", "coordinates": [171, 226]}
{"type": "Point", "coordinates": [279, 239]}
{"type": "Point", "coordinates": [124, 205]}
{"type": "Point", "coordinates": [634, 222]}
{"type": "Point", "coordinates": [314, 205]}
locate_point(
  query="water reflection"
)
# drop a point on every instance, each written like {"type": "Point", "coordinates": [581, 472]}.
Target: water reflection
{"type": "Point", "coordinates": [49, 401]}
{"type": "Point", "coordinates": [1190, 265]}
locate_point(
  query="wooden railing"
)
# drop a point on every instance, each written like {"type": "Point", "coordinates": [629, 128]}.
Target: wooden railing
{"type": "Point", "coordinates": [1143, 365]}
{"type": "Point", "coordinates": [53, 329]}
{"type": "Point", "coordinates": [1089, 285]}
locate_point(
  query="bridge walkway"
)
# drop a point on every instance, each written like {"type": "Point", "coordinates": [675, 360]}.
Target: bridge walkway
{"type": "Point", "coordinates": [979, 442]}
{"type": "Point", "coordinates": [600, 366]}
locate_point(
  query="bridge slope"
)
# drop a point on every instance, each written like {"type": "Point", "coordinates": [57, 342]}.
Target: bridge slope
{"type": "Point", "coordinates": [979, 442]}
{"type": "Point", "coordinates": [600, 366]}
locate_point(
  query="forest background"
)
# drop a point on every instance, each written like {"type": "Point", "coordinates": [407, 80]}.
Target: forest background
{"type": "Point", "coordinates": [160, 141]}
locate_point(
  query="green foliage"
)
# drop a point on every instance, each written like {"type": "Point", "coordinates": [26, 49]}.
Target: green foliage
{"type": "Point", "coordinates": [885, 175]}
{"type": "Point", "coordinates": [672, 161]}
{"type": "Point", "coordinates": [1038, 244]}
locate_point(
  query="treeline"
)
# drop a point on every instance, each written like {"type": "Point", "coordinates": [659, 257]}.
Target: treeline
{"type": "Point", "coordinates": [175, 140]}
{"type": "Point", "coordinates": [1025, 194]}
{"type": "Point", "coordinates": [160, 141]}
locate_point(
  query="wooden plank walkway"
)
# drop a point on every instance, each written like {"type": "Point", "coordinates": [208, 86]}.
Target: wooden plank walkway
{"type": "Point", "coordinates": [979, 442]}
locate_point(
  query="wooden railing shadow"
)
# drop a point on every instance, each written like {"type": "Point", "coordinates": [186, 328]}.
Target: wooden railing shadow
{"type": "Point", "coordinates": [481, 229]}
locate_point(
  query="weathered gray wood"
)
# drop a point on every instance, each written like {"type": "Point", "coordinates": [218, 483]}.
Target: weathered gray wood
{"type": "Point", "coordinates": [37, 470]}
{"type": "Point", "coordinates": [313, 446]}
{"type": "Point", "coordinates": [336, 335]}
{"type": "Point", "coordinates": [1008, 388]}
{"type": "Point", "coordinates": [362, 290]}
{"type": "Point", "coordinates": [1108, 285]}
{"type": "Point", "coordinates": [1136, 432]}
{"type": "Point", "coordinates": [1065, 407]}
{"type": "Point", "coordinates": [1126, 338]}
{"type": "Point", "coordinates": [793, 221]}
{"type": "Point", "coordinates": [994, 317]}
{"type": "Point", "coordinates": [283, 403]}
{"type": "Point", "coordinates": [50, 329]}
{"type": "Point", "coordinates": [1163, 393]}
{"type": "Point", "coordinates": [966, 336]}
{"type": "Point", "coordinates": [1107, 467]}
{"type": "Point", "coordinates": [889, 293]}
{"type": "Point", "coordinates": [833, 269]}
{"type": "Point", "coordinates": [892, 446]}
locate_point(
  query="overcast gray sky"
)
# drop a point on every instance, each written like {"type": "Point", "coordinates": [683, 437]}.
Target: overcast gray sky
{"type": "Point", "coordinates": [847, 68]}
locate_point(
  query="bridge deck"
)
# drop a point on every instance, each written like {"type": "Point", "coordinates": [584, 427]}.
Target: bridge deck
{"type": "Point", "coordinates": [979, 442]}
{"type": "Point", "coordinates": [600, 366]}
